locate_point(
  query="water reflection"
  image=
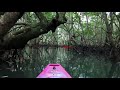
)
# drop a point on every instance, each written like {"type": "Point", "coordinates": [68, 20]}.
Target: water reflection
{"type": "Point", "coordinates": [114, 71]}
{"type": "Point", "coordinates": [77, 65]}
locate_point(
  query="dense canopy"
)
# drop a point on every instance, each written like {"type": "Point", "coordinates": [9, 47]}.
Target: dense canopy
{"type": "Point", "coordinates": [86, 31]}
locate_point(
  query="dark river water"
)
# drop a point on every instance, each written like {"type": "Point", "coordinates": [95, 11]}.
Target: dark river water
{"type": "Point", "coordinates": [77, 65]}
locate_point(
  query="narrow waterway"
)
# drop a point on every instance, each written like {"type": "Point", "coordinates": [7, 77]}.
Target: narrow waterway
{"type": "Point", "coordinates": [77, 65]}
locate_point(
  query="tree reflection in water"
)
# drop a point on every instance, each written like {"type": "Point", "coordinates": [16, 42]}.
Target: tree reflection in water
{"type": "Point", "coordinates": [77, 65]}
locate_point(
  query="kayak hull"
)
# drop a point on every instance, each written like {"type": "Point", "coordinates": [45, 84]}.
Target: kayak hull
{"type": "Point", "coordinates": [54, 71]}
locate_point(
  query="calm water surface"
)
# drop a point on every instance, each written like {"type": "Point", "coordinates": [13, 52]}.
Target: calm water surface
{"type": "Point", "coordinates": [77, 65]}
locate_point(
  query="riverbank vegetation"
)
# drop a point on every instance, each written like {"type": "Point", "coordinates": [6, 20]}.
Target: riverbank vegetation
{"type": "Point", "coordinates": [81, 32]}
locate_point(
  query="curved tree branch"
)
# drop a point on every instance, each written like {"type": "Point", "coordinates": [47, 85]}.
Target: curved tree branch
{"type": "Point", "coordinates": [7, 22]}
{"type": "Point", "coordinates": [41, 17]}
{"type": "Point", "coordinates": [52, 25]}
{"type": "Point", "coordinates": [20, 38]}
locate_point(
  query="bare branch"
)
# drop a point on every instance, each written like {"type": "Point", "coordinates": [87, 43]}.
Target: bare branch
{"type": "Point", "coordinates": [118, 18]}
{"type": "Point", "coordinates": [41, 17]}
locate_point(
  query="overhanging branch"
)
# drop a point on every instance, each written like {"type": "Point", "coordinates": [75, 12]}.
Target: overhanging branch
{"type": "Point", "coordinates": [7, 22]}
{"type": "Point", "coordinates": [19, 38]}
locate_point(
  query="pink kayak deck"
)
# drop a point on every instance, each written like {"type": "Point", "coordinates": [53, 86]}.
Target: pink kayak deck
{"type": "Point", "coordinates": [54, 71]}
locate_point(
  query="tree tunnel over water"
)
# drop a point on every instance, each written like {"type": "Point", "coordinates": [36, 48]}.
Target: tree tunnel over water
{"type": "Point", "coordinates": [86, 44]}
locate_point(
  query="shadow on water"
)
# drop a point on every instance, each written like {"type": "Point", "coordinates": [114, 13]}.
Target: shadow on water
{"type": "Point", "coordinates": [77, 65]}
{"type": "Point", "coordinates": [114, 71]}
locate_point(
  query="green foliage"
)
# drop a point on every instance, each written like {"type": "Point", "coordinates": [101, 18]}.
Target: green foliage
{"type": "Point", "coordinates": [30, 17]}
{"type": "Point", "coordinates": [49, 15]}
{"type": "Point", "coordinates": [88, 25]}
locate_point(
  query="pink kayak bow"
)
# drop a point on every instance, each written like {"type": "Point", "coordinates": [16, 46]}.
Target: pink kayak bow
{"type": "Point", "coordinates": [54, 71]}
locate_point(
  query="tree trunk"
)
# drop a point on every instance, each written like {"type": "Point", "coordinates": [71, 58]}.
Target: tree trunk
{"type": "Point", "coordinates": [109, 29]}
